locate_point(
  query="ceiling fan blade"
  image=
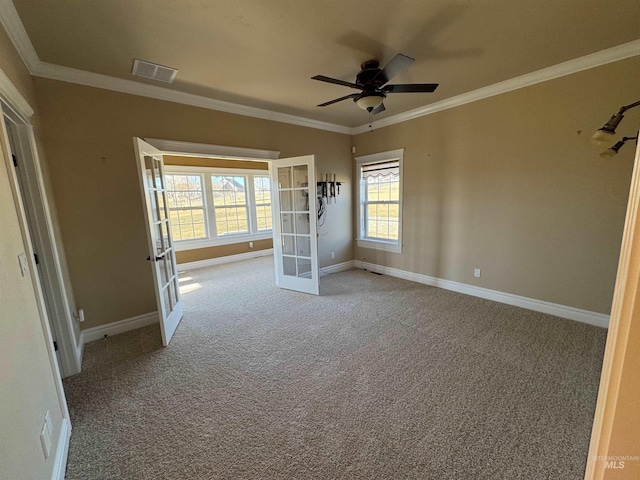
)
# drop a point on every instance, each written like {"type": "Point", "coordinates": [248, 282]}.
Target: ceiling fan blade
{"type": "Point", "coordinates": [378, 109]}
{"type": "Point", "coordinates": [322, 78]}
{"type": "Point", "coordinates": [394, 67]}
{"type": "Point", "coordinates": [410, 88]}
{"type": "Point", "coordinates": [331, 102]}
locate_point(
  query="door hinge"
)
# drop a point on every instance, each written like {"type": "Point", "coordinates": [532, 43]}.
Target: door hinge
{"type": "Point", "coordinates": [55, 345]}
{"type": "Point", "coordinates": [35, 257]}
{"type": "Point", "coordinates": [15, 160]}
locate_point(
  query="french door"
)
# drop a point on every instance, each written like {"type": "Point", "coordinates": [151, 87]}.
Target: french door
{"type": "Point", "coordinates": [162, 255]}
{"type": "Point", "coordinates": [295, 240]}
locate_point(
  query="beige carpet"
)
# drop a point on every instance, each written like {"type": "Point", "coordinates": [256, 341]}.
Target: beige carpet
{"type": "Point", "coordinates": [378, 378]}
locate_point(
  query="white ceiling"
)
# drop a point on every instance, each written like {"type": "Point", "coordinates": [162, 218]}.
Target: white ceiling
{"type": "Point", "coordinates": [262, 53]}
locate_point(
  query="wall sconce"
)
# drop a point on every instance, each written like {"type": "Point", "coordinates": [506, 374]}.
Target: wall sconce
{"type": "Point", "coordinates": [610, 152]}
{"type": "Point", "coordinates": [604, 135]}
{"type": "Point", "coordinates": [329, 189]}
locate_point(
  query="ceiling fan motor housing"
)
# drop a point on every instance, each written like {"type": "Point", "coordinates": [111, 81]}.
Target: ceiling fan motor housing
{"type": "Point", "coordinates": [370, 69]}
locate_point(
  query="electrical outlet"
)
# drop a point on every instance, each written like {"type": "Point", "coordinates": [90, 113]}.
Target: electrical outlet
{"type": "Point", "coordinates": [250, 244]}
{"type": "Point", "coordinates": [333, 254]}
{"type": "Point", "coordinates": [476, 273]}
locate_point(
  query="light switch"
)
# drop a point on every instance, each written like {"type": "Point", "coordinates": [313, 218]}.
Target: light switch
{"type": "Point", "coordinates": [24, 266]}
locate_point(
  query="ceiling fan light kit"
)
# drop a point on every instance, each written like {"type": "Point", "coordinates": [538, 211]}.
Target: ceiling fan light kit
{"type": "Point", "coordinates": [369, 101]}
{"type": "Point", "coordinates": [373, 83]}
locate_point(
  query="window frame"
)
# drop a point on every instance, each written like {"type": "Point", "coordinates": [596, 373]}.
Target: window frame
{"type": "Point", "coordinates": [213, 239]}
{"type": "Point", "coordinates": [361, 239]}
{"type": "Point", "coordinates": [203, 208]}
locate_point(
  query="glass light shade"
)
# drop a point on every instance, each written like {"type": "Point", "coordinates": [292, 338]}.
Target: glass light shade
{"type": "Point", "coordinates": [608, 153]}
{"type": "Point", "coordinates": [370, 102]}
{"type": "Point", "coordinates": [602, 138]}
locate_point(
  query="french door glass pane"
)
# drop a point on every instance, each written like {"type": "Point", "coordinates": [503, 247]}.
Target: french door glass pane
{"type": "Point", "coordinates": [286, 223]}
{"type": "Point", "coordinates": [300, 176]}
{"type": "Point", "coordinates": [289, 244]}
{"type": "Point", "coordinates": [303, 246]}
{"type": "Point", "coordinates": [284, 177]}
{"type": "Point", "coordinates": [157, 172]}
{"type": "Point", "coordinates": [304, 267]}
{"type": "Point", "coordinates": [302, 223]}
{"type": "Point", "coordinates": [286, 202]}
{"type": "Point", "coordinates": [289, 266]}
{"type": "Point", "coordinates": [148, 168]}
{"type": "Point", "coordinates": [301, 200]}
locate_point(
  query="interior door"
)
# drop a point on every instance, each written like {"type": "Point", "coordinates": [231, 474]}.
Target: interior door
{"type": "Point", "coordinates": [295, 239]}
{"type": "Point", "coordinates": [162, 255]}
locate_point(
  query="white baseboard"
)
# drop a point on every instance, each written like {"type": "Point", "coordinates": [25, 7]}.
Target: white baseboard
{"type": "Point", "coordinates": [571, 313]}
{"type": "Point", "coordinates": [60, 463]}
{"type": "Point", "coordinates": [338, 267]}
{"type": "Point", "coordinates": [121, 326]}
{"type": "Point", "coordinates": [220, 260]}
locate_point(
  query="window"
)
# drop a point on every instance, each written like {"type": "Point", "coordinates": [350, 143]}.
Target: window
{"type": "Point", "coordinates": [262, 189]}
{"type": "Point", "coordinates": [380, 200]}
{"type": "Point", "coordinates": [186, 207]}
{"type": "Point", "coordinates": [214, 207]}
{"type": "Point", "coordinates": [230, 205]}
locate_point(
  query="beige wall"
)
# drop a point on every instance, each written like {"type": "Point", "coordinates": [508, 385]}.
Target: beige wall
{"type": "Point", "coordinates": [214, 162]}
{"type": "Point", "coordinates": [511, 185]}
{"type": "Point", "coordinates": [206, 253]}
{"type": "Point", "coordinates": [27, 388]}
{"type": "Point", "coordinates": [88, 136]}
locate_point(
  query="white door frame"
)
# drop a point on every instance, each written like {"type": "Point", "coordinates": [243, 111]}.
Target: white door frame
{"type": "Point", "coordinates": [61, 311]}
{"type": "Point", "coordinates": [62, 314]}
{"type": "Point", "coordinates": [12, 100]}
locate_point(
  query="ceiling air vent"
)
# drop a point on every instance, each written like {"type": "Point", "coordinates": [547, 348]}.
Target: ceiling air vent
{"type": "Point", "coordinates": [154, 71]}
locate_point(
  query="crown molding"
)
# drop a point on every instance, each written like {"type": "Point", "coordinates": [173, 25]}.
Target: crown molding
{"type": "Point", "coordinates": [11, 22]}
{"type": "Point", "coordinates": [96, 80]}
{"type": "Point", "coordinates": [14, 27]}
{"type": "Point", "coordinates": [13, 97]}
{"type": "Point", "coordinates": [610, 55]}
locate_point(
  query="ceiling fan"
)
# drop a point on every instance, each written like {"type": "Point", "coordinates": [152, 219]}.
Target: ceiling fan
{"type": "Point", "coordinates": [373, 83]}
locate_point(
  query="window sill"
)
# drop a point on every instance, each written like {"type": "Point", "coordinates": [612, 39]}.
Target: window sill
{"type": "Point", "coordinates": [379, 245]}
{"type": "Point", "coordinates": [181, 246]}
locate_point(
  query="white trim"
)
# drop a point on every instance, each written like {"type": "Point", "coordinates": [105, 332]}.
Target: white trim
{"type": "Point", "coordinates": [336, 268]}
{"type": "Point", "coordinates": [603, 57]}
{"type": "Point", "coordinates": [182, 267]}
{"type": "Point", "coordinates": [571, 313]}
{"type": "Point", "coordinates": [379, 245]}
{"type": "Point", "coordinates": [121, 326]}
{"type": "Point", "coordinates": [13, 96]}
{"type": "Point", "coordinates": [62, 451]}
{"type": "Point", "coordinates": [96, 80]}
{"type": "Point", "coordinates": [15, 29]}
{"type": "Point", "coordinates": [184, 245]}
{"type": "Point", "coordinates": [174, 147]}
